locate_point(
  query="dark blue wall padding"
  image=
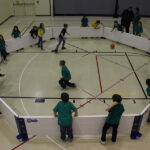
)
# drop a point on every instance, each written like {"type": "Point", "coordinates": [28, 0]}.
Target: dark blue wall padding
{"type": "Point", "coordinates": [98, 7]}
{"type": "Point", "coordinates": [91, 7]}
{"type": "Point", "coordinates": [144, 6]}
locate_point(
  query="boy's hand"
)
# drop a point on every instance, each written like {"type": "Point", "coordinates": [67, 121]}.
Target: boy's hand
{"type": "Point", "coordinates": [76, 114]}
{"type": "Point", "coordinates": [55, 114]}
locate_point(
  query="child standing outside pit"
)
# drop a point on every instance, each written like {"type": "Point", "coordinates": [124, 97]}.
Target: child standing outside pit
{"type": "Point", "coordinates": [3, 48]}
{"type": "Point", "coordinates": [84, 21]}
{"type": "Point", "coordinates": [41, 32]}
{"type": "Point", "coordinates": [117, 26]}
{"type": "Point", "coordinates": [64, 109]}
{"type": "Point", "coordinates": [148, 87]}
{"type": "Point", "coordinates": [16, 32]}
{"type": "Point", "coordinates": [62, 38]}
{"type": "Point", "coordinates": [138, 29]}
{"type": "Point", "coordinates": [96, 24]}
{"type": "Point", "coordinates": [66, 76]}
{"type": "Point", "coordinates": [115, 112]}
{"type": "Point", "coordinates": [136, 18]}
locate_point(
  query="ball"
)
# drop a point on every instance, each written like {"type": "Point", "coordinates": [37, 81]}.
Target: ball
{"type": "Point", "coordinates": [148, 38]}
{"type": "Point", "coordinates": [112, 46]}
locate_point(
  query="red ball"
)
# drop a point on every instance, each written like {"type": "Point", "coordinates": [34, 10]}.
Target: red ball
{"type": "Point", "coordinates": [112, 46]}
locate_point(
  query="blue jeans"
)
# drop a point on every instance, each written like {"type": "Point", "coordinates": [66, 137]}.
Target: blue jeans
{"type": "Point", "coordinates": [60, 40]}
{"type": "Point", "coordinates": [66, 130]}
{"type": "Point", "coordinates": [40, 42]}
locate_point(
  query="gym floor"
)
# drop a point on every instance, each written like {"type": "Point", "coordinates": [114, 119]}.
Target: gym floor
{"type": "Point", "coordinates": [35, 73]}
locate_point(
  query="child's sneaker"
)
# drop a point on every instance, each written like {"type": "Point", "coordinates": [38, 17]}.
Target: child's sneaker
{"type": "Point", "coordinates": [2, 75]}
{"type": "Point", "coordinates": [63, 48]}
{"type": "Point", "coordinates": [70, 140]}
{"type": "Point", "coordinates": [55, 51]}
{"type": "Point", "coordinates": [63, 140]}
{"type": "Point", "coordinates": [74, 86]}
{"type": "Point", "coordinates": [102, 142]}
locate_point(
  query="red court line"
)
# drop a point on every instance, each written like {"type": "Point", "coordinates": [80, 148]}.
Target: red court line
{"type": "Point", "coordinates": [99, 76]}
{"type": "Point", "coordinates": [23, 30]}
{"type": "Point", "coordinates": [87, 92]}
{"type": "Point", "coordinates": [23, 143]}
{"type": "Point", "coordinates": [121, 80]}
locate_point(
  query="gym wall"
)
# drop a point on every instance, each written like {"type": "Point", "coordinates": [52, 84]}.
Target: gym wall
{"type": "Point", "coordinates": [98, 7]}
{"type": "Point", "coordinates": [144, 6]}
{"type": "Point", "coordinates": [6, 9]}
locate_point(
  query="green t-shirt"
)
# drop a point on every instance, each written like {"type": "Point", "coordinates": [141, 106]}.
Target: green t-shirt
{"type": "Point", "coordinates": [84, 22]}
{"type": "Point", "coordinates": [138, 30]}
{"type": "Point", "coordinates": [66, 73]}
{"type": "Point", "coordinates": [136, 18]}
{"type": "Point", "coordinates": [2, 45]}
{"type": "Point", "coordinates": [64, 113]}
{"type": "Point", "coordinates": [15, 34]}
{"type": "Point", "coordinates": [115, 114]}
{"type": "Point", "coordinates": [148, 91]}
{"type": "Point", "coordinates": [119, 27]}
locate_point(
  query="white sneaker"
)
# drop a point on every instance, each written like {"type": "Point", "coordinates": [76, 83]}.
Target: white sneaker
{"type": "Point", "coordinates": [102, 142]}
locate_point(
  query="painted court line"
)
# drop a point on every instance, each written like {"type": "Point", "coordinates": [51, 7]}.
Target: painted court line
{"type": "Point", "coordinates": [99, 76]}
{"type": "Point", "coordinates": [113, 62]}
{"type": "Point", "coordinates": [27, 28]}
{"type": "Point", "coordinates": [125, 77]}
{"type": "Point", "coordinates": [72, 98]}
{"type": "Point", "coordinates": [136, 76]}
{"type": "Point", "coordinates": [29, 62]}
{"type": "Point", "coordinates": [56, 143]}
{"type": "Point", "coordinates": [23, 143]}
{"type": "Point", "coordinates": [118, 82]}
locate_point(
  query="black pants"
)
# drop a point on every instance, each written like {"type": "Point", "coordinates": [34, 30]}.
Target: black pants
{"type": "Point", "coordinates": [63, 83]}
{"type": "Point", "coordinates": [4, 54]}
{"type": "Point", "coordinates": [114, 132]}
{"type": "Point", "coordinates": [66, 130]}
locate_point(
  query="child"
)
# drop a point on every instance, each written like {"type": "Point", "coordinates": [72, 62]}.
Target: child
{"type": "Point", "coordinates": [138, 29]}
{"type": "Point", "coordinates": [136, 18]}
{"type": "Point", "coordinates": [16, 32]}
{"type": "Point", "coordinates": [117, 26]}
{"type": "Point", "coordinates": [66, 76]}
{"type": "Point", "coordinates": [96, 24]}
{"type": "Point", "coordinates": [61, 38]}
{"type": "Point", "coordinates": [34, 32]}
{"type": "Point", "coordinates": [115, 112]}
{"type": "Point", "coordinates": [148, 87]}
{"type": "Point", "coordinates": [84, 21]}
{"type": "Point", "coordinates": [41, 32]}
{"type": "Point", "coordinates": [64, 109]}
{"type": "Point", "coordinates": [3, 48]}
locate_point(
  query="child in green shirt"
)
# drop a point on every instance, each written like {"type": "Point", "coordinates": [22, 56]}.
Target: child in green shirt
{"type": "Point", "coordinates": [16, 32]}
{"type": "Point", "coordinates": [117, 26]}
{"type": "Point", "coordinates": [148, 87]}
{"type": "Point", "coordinates": [136, 18]}
{"type": "Point", "coordinates": [3, 52]}
{"type": "Point", "coordinates": [115, 112]}
{"type": "Point", "coordinates": [138, 29]}
{"type": "Point", "coordinates": [84, 21]}
{"type": "Point", "coordinates": [66, 76]}
{"type": "Point", "coordinates": [64, 109]}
